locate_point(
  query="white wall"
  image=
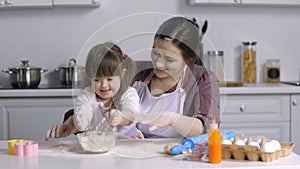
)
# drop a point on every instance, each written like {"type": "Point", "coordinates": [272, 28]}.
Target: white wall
{"type": "Point", "coordinates": [49, 37]}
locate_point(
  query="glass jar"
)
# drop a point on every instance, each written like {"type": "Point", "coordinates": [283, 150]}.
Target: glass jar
{"type": "Point", "coordinates": [249, 62]}
{"type": "Point", "coordinates": [215, 63]}
{"type": "Point", "coordinates": [273, 71]}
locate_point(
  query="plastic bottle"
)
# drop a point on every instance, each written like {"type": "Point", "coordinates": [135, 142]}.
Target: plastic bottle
{"type": "Point", "coordinates": [214, 143]}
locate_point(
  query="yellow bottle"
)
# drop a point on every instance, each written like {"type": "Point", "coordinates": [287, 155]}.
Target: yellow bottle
{"type": "Point", "coordinates": [214, 143]}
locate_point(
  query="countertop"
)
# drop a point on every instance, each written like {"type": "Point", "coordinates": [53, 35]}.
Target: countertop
{"type": "Point", "coordinates": [54, 155]}
{"type": "Point", "coordinates": [69, 91]}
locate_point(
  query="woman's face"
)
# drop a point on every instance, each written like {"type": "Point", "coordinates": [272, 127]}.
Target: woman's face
{"type": "Point", "coordinates": [167, 59]}
{"type": "Point", "coordinates": [106, 87]}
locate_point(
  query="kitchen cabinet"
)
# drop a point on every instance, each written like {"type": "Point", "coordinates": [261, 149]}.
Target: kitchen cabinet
{"type": "Point", "coordinates": [25, 3]}
{"type": "Point", "coordinates": [257, 115]}
{"type": "Point", "coordinates": [30, 118]}
{"type": "Point", "coordinates": [74, 3]}
{"type": "Point", "coordinates": [246, 2]}
{"type": "Point", "coordinates": [295, 124]}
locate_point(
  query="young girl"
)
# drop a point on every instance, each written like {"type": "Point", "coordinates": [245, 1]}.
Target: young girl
{"type": "Point", "coordinates": [107, 93]}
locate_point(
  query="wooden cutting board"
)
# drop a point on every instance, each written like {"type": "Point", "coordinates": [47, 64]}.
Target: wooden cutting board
{"type": "Point", "coordinates": [230, 84]}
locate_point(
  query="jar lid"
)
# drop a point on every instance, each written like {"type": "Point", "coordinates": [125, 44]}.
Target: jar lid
{"type": "Point", "coordinates": [215, 53]}
{"type": "Point", "coordinates": [249, 43]}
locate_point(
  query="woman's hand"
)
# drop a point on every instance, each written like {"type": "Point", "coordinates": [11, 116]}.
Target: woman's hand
{"type": "Point", "coordinates": [58, 131]}
{"type": "Point", "coordinates": [62, 130]}
{"type": "Point", "coordinates": [160, 120]}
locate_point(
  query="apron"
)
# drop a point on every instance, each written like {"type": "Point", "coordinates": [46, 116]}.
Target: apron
{"type": "Point", "coordinates": [172, 102]}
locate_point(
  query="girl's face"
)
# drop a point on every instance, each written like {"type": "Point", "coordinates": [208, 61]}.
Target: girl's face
{"type": "Point", "coordinates": [106, 87]}
{"type": "Point", "coordinates": [167, 59]}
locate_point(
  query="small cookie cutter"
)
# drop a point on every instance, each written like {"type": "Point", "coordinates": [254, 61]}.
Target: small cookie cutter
{"type": "Point", "coordinates": [11, 145]}
{"type": "Point", "coordinates": [29, 148]}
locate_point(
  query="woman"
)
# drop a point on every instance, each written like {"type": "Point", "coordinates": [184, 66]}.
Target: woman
{"type": "Point", "coordinates": [177, 97]}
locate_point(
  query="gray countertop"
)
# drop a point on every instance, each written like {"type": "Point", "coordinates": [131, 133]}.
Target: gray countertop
{"type": "Point", "coordinates": [259, 88]}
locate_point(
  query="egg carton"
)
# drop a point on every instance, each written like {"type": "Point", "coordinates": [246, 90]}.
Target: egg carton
{"type": "Point", "coordinates": [253, 153]}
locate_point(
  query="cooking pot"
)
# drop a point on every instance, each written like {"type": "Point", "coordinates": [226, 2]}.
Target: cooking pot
{"type": "Point", "coordinates": [71, 74]}
{"type": "Point", "coordinates": [24, 76]}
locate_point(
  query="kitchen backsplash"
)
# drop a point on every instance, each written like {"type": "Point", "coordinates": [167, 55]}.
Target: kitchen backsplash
{"type": "Point", "coordinates": [49, 37]}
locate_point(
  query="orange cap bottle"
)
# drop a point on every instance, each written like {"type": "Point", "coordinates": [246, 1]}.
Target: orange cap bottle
{"type": "Point", "coordinates": [214, 143]}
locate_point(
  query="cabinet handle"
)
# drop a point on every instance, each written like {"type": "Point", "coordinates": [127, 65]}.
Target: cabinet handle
{"type": "Point", "coordinates": [242, 108]}
{"type": "Point", "coordinates": [295, 102]}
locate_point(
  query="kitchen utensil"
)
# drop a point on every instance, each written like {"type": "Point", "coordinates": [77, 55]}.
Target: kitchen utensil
{"type": "Point", "coordinates": [71, 74]}
{"type": "Point", "coordinates": [203, 29]}
{"type": "Point", "coordinates": [24, 76]}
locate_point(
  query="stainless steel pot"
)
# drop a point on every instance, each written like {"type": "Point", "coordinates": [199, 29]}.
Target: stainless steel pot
{"type": "Point", "coordinates": [24, 76]}
{"type": "Point", "coordinates": [71, 74]}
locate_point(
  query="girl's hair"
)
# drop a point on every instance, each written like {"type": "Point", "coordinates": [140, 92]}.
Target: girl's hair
{"type": "Point", "coordinates": [184, 34]}
{"type": "Point", "coordinates": [107, 59]}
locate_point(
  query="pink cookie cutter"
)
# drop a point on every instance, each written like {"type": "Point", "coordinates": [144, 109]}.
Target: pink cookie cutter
{"type": "Point", "coordinates": [29, 148]}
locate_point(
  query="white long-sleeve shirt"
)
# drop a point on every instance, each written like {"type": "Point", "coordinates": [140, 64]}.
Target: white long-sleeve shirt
{"type": "Point", "coordinates": [86, 102]}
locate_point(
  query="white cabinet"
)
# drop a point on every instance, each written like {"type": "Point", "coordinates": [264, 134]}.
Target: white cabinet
{"type": "Point", "coordinates": [295, 121]}
{"type": "Point", "coordinates": [271, 2]}
{"type": "Point", "coordinates": [74, 3]}
{"type": "Point", "coordinates": [30, 118]}
{"type": "Point", "coordinates": [207, 2]}
{"type": "Point", "coordinates": [25, 3]}
{"type": "Point", "coordinates": [246, 2]}
{"type": "Point", "coordinates": [256, 115]}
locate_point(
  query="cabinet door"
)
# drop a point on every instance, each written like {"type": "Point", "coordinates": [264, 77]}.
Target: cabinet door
{"type": "Point", "coordinates": [87, 3]}
{"type": "Point", "coordinates": [295, 124]}
{"type": "Point", "coordinates": [255, 108]}
{"type": "Point", "coordinates": [271, 130]}
{"type": "Point", "coordinates": [30, 118]}
{"type": "Point", "coordinates": [28, 3]}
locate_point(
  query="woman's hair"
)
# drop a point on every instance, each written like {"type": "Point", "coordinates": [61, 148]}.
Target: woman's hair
{"type": "Point", "coordinates": [184, 34]}
{"type": "Point", "coordinates": [107, 59]}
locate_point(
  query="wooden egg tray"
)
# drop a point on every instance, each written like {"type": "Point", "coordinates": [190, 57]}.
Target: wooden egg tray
{"type": "Point", "coordinates": [253, 153]}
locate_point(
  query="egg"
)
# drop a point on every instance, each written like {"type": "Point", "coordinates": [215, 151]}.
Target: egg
{"type": "Point", "coordinates": [228, 142]}
{"type": "Point", "coordinates": [268, 147]}
{"type": "Point", "coordinates": [254, 143]}
{"type": "Point", "coordinates": [240, 142]}
{"type": "Point", "coordinates": [276, 144]}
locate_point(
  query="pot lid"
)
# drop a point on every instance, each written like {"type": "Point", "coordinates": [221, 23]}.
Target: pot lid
{"type": "Point", "coordinates": [71, 64]}
{"type": "Point", "coordinates": [24, 65]}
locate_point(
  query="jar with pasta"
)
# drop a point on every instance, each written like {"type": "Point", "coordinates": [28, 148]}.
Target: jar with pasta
{"type": "Point", "coordinates": [249, 62]}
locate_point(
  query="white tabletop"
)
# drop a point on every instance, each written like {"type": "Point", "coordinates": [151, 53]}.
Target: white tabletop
{"type": "Point", "coordinates": [66, 154]}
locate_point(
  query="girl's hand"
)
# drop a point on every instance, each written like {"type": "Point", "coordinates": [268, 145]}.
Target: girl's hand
{"type": "Point", "coordinates": [115, 117]}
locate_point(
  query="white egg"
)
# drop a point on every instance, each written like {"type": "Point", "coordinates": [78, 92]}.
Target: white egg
{"type": "Point", "coordinates": [254, 143]}
{"type": "Point", "coordinates": [276, 144]}
{"type": "Point", "coordinates": [240, 142]}
{"type": "Point", "coordinates": [259, 140]}
{"type": "Point", "coordinates": [268, 147]}
{"type": "Point", "coordinates": [228, 142]}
